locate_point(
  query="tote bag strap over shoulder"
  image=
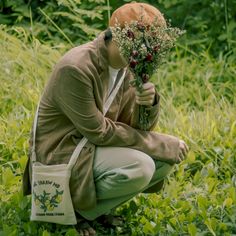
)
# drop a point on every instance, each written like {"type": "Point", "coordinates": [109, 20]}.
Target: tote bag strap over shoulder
{"type": "Point", "coordinates": [83, 141]}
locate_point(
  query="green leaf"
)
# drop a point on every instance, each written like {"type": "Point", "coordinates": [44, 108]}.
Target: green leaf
{"type": "Point", "coordinates": [22, 162]}
{"type": "Point", "coordinates": [228, 202]}
{"type": "Point", "coordinates": [192, 229]}
{"type": "Point", "coordinates": [46, 233]}
{"type": "Point", "coordinates": [7, 176]}
{"type": "Point", "coordinates": [209, 225]}
{"type": "Point", "coordinates": [71, 232]}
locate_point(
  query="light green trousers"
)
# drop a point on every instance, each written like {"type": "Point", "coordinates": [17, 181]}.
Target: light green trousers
{"type": "Point", "coordinates": [120, 173]}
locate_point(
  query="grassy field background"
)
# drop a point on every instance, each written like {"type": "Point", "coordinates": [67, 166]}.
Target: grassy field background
{"type": "Point", "coordinates": [198, 105]}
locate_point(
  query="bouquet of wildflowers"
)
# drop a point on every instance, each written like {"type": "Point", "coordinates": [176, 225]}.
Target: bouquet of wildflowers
{"type": "Point", "coordinates": [145, 48]}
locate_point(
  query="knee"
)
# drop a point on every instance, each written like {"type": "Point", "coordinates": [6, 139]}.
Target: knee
{"type": "Point", "coordinates": [132, 175]}
{"type": "Point", "coordinates": [145, 166]}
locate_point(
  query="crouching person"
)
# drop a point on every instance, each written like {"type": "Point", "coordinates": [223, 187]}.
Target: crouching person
{"type": "Point", "coordinates": [123, 156]}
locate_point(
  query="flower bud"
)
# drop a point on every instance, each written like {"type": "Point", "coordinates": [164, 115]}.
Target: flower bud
{"type": "Point", "coordinates": [156, 48]}
{"type": "Point", "coordinates": [134, 53]}
{"type": "Point", "coordinates": [130, 34]}
{"type": "Point", "coordinates": [133, 63]}
{"type": "Point", "coordinates": [149, 57]}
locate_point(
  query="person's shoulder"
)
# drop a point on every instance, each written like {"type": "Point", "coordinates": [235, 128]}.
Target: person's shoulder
{"type": "Point", "coordinates": [79, 56]}
{"type": "Point", "coordinates": [86, 57]}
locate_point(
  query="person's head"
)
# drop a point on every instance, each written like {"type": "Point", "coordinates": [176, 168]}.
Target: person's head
{"type": "Point", "coordinates": [125, 15]}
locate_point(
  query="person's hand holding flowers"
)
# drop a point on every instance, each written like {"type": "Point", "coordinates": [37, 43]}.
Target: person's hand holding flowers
{"type": "Point", "coordinates": [146, 97]}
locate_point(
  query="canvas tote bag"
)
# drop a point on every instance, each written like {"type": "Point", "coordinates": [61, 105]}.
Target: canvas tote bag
{"type": "Point", "coordinates": [51, 199]}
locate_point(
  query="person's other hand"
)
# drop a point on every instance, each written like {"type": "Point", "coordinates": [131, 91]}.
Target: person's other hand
{"type": "Point", "coordinates": [183, 150]}
{"type": "Point", "coordinates": [147, 96]}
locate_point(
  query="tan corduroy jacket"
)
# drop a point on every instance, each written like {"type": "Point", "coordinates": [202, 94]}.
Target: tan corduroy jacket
{"type": "Point", "coordinates": [71, 107]}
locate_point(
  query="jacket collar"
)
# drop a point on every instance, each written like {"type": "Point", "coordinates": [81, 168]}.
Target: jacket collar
{"type": "Point", "coordinates": [102, 51]}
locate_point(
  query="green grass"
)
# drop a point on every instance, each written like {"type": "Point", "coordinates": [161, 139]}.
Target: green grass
{"type": "Point", "coordinates": [198, 105]}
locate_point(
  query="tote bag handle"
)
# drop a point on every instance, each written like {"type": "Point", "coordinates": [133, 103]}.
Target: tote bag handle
{"type": "Point", "coordinates": [84, 140]}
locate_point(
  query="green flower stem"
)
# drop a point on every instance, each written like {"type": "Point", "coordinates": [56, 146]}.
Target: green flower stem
{"type": "Point", "coordinates": [143, 117]}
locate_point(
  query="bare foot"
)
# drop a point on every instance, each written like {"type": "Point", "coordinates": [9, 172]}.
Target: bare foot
{"type": "Point", "coordinates": [84, 228]}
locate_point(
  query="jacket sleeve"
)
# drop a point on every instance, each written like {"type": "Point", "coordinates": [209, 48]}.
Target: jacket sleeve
{"type": "Point", "coordinates": [129, 113]}
{"type": "Point", "coordinates": [73, 94]}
